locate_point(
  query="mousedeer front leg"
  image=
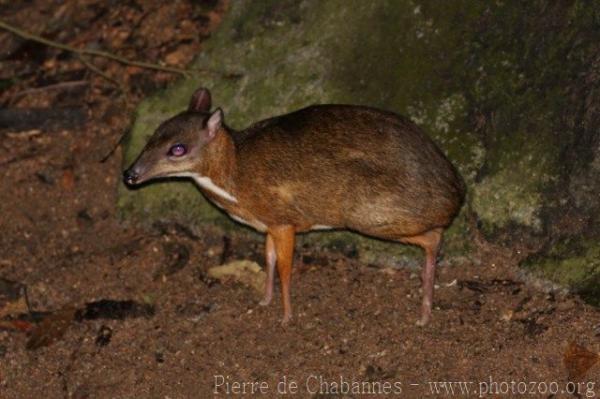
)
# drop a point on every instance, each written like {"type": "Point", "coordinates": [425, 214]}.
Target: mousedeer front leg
{"type": "Point", "coordinates": [271, 259]}
{"type": "Point", "coordinates": [283, 240]}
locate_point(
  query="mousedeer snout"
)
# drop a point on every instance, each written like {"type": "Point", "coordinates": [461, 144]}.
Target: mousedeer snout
{"type": "Point", "coordinates": [130, 177]}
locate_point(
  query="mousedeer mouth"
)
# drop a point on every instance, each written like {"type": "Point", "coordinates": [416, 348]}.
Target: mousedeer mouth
{"type": "Point", "coordinates": [135, 175]}
{"type": "Point", "coordinates": [131, 177]}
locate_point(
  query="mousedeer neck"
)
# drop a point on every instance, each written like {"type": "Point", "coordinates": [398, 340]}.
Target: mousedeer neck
{"type": "Point", "coordinates": [216, 173]}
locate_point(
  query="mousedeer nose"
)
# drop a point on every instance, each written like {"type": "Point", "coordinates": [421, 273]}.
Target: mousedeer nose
{"type": "Point", "coordinates": [130, 177]}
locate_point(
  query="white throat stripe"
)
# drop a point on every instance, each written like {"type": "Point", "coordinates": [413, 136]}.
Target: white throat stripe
{"type": "Point", "coordinates": [207, 184]}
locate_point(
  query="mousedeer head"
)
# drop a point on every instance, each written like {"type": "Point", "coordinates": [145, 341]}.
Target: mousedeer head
{"type": "Point", "coordinates": [179, 146]}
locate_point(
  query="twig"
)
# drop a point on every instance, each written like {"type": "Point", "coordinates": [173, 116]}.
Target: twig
{"type": "Point", "coordinates": [114, 148]}
{"type": "Point", "coordinates": [19, 158]}
{"type": "Point", "coordinates": [99, 53]}
{"type": "Point", "coordinates": [94, 68]}
{"type": "Point", "coordinates": [56, 86]}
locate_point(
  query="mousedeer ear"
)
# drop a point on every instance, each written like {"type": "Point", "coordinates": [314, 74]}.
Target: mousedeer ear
{"type": "Point", "coordinates": [214, 124]}
{"type": "Point", "coordinates": [200, 101]}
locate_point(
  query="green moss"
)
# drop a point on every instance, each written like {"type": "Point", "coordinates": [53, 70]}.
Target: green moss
{"type": "Point", "coordinates": [573, 263]}
{"type": "Point", "coordinates": [513, 189]}
{"type": "Point", "coordinates": [517, 70]}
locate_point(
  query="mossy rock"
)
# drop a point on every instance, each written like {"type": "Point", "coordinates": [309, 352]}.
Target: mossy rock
{"type": "Point", "coordinates": [497, 85]}
{"type": "Point", "coordinates": [573, 263]}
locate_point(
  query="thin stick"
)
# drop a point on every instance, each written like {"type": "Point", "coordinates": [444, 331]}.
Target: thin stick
{"type": "Point", "coordinates": [94, 68]}
{"type": "Point", "coordinates": [114, 148]}
{"type": "Point", "coordinates": [99, 53]}
{"type": "Point", "coordinates": [55, 86]}
{"type": "Point", "coordinates": [18, 159]}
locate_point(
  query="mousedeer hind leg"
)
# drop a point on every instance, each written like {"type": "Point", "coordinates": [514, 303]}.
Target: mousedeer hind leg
{"type": "Point", "coordinates": [283, 242]}
{"type": "Point", "coordinates": [430, 241]}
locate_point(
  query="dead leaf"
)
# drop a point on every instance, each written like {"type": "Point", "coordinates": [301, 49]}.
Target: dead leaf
{"type": "Point", "coordinates": [476, 286]}
{"type": "Point", "coordinates": [51, 329]}
{"type": "Point", "coordinates": [104, 336]}
{"type": "Point", "coordinates": [180, 57]}
{"type": "Point", "coordinates": [16, 325]}
{"type": "Point", "coordinates": [67, 180]}
{"type": "Point", "coordinates": [13, 298]}
{"type": "Point", "coordinates": [244, 271]}
{"type": "Point", "coordinates": [115, 310]}
{"type": "Point", "coordinates": [176, 257]}
{"type": "Point", "coordinates": [578, 360]}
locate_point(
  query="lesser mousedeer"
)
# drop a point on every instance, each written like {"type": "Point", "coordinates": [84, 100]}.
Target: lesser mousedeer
{"type": "Point", "coordinates": [321, 167]}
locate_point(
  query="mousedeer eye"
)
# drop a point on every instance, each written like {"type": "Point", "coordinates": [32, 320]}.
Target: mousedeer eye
{"type": "Point", "coordinates": [177, 150]}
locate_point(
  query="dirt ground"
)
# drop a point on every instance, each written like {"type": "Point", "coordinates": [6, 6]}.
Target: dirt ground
{"type": "Point", "coordinates": [354, 332]}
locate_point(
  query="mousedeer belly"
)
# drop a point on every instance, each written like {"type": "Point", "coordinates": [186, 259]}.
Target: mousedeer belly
{"type": "Point", "coordinates": [290, 202]}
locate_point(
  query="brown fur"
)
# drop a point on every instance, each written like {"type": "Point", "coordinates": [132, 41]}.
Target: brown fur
{"type": "Point", "coordinates": [346, 167]}
{"type": "Point", "coordinates": [342, 166]}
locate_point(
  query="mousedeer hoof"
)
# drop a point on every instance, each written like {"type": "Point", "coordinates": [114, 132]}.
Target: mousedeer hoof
{"type": "Point", "coordinates": [265, 301]}
{"type": "Point", "coordinates": [286, 321]}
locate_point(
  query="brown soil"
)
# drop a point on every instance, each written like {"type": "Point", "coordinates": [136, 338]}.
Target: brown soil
{"type": "Point", "coordinates": [61, 238]}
